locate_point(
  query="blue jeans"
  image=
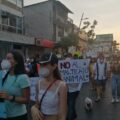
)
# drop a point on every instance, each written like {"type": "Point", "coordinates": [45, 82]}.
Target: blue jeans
{"type": "Point", "coordinates": [115, 85]}
{"type": "Point", "coordinates": [71, 105]}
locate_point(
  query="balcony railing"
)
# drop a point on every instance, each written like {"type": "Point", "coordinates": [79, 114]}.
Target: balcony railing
{"type": "Point", "coordinates": [8, 28]}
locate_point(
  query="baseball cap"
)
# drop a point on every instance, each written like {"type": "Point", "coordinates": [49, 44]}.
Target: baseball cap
{"type": "Point", "coordinates": [48, 58]}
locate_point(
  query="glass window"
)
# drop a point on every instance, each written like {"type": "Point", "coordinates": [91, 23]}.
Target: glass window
{"type": "Point", "coordinates": [5, 21]}
{"type": "Point", "coordinates": [19, 3]}
{"type": "Point", "coordinates": [4, 17]}
{"type": "Point", "coordinates": [12, 20]}
{"type": "Point", "coordinates": [12, 29]}
{"type": "Point", "coordinates": [19, 22]}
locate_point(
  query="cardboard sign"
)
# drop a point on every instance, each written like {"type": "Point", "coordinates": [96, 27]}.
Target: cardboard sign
{"type": "Point", "coordinates": [33, 82]}
{"type": "Point", "coordinates": [74, 71]}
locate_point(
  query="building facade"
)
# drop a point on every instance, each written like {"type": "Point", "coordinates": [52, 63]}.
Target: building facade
{"type": "Point", "coordinates": [12, 27]}
{"type": "Point", "coordinates": [47, 20]}
{"type": "Point", "coordinates": [103, 43]}
{"type": "Point", "coordinates": [11, 16]}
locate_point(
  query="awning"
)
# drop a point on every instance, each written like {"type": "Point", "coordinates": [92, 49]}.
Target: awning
{"type": "Point", "coordinates": [45, 43]}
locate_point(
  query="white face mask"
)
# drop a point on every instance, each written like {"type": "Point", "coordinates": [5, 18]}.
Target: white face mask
{"type": "Point", "coordinates": [101, 60]}
{"type": "Point", "coordinates": [5, 65]}
{"type": "Point", "coordinates": [44, 72]}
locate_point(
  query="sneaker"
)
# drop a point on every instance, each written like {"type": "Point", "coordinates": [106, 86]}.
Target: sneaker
{"type": "Point", "coordinates": [113, 100]}
{"type": "Point", "coordinates": [117, 100]}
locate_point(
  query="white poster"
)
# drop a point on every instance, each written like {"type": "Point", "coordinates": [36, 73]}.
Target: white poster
{"type": "Point", "coordinates": [74, 71]}
{"type": "Point", "coordinates": [33, 84]}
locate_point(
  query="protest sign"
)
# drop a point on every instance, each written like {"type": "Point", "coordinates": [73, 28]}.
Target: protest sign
{"type": "Point", "coordinates": [33, 84]}
{"type": "Point", "coordinates": [74, 71]}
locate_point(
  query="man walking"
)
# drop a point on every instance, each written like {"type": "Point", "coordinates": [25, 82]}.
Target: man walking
{"type": "Point", "coordinates": [100, 72]}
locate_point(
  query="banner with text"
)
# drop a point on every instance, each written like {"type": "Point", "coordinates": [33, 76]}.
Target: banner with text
{"type": "Point", "coordinates": [74, 71]}
{"type": "Point", "coordinates": [33, 84]}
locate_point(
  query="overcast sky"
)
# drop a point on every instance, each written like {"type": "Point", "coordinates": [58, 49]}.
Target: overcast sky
{"type": "Point", "coordinates": [106, 12]}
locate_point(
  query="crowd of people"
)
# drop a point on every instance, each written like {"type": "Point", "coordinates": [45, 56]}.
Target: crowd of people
{"type": "Point", "coordinates": [55, 99]}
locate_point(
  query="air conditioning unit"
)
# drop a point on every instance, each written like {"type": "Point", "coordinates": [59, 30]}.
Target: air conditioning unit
{"type": "Point", "coordinates": [37, 42]}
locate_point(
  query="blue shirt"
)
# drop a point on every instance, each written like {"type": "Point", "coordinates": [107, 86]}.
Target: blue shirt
{"type": "Point", "coordinates": [14, 85]}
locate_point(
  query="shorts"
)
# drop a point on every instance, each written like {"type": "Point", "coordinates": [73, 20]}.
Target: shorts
{"type": "Point", "coordinates": [100, 82]}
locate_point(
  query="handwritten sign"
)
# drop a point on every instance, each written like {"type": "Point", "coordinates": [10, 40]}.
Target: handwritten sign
{"type": "Point", "coordinates": [74, 71]}
{"type": "Point", "coordinates": [33, 82]}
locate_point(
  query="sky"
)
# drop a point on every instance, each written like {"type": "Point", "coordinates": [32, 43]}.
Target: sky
{"type": "Point", "coordinates": [106, 12]}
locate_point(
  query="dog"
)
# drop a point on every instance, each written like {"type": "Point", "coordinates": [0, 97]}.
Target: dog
{"type": "Point", "coordinates": [88, 104]}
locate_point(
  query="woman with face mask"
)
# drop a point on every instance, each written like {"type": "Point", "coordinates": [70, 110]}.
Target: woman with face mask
{"type": "Point", "coordinates": [51, 98]}
{"type": "Point", "coordinates": [14, 87]}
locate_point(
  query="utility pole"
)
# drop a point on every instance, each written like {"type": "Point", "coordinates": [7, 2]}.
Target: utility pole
{"type": "Point", "coordinates": [81, 21]}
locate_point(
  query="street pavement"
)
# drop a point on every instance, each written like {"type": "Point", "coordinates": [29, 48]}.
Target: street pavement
{"type": "Point", "coordinates": [103, 110]}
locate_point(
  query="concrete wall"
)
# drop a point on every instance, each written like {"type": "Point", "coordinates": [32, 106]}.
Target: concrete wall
{"type": "Point", "coordinates": [16, 38]}
{"type": "Point", "coordinates": [39, 20]}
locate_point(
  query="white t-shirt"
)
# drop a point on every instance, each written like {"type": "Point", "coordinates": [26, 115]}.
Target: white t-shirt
{"type": "Point", "coordinates": [74, 87]}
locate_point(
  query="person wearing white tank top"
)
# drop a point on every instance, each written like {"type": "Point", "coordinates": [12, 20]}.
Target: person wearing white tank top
{"type": "Point", "coordinates": [51, 91]}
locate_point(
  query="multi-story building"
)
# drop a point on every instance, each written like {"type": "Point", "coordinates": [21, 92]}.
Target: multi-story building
{"type": "Point", "coordinates": [103, 43]}
{"type": "Point", "coordinates": [12, 27]}
{"type": "Point", "coordinates": [47, 20]}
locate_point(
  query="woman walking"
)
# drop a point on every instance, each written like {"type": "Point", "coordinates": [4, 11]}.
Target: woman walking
{"type": "Point", "coordinates": [14, 88]}
{"type": "Point", "coordinates": [51, 91]}
{"type": "Point", "coordinates": [115, 80]}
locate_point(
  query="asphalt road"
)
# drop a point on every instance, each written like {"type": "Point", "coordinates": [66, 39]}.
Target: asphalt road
{"type": "Point", "coordinates": [103, 110]}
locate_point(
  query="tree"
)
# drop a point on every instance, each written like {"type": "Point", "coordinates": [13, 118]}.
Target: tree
{"type": "Point", "coordinates": [91, 30]}
{"type": "Point", "coordinates": [70, 40]}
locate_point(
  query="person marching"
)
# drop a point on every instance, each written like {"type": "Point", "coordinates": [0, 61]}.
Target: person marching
{"type": "Point", "coordinates": [91, 73]}
{"type": "Point", "coordinates": [14, 87]}
{"type": "Point", "coordinates": [51, 98]}
{"type": "Point", "coordinates": [115, 68]}
{"type": "Point", "coordinates": [100, 73]}
{"type": "Point", "coordinates": [73, 93]}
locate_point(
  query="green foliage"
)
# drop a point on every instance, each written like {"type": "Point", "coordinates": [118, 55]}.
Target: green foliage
{"type": "Point", "coordinates": [70, 40]}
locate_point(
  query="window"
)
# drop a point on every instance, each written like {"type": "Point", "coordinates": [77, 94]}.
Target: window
{"type": "Point", "coordinates": [19, 3]}
{"type": "Point", "coordinates": [12, 19]}
{"type": "Point", "coordinates": [19, 22]}
{"type": "Point", "coordinates": [4, 18]}
{"type": "Point", "coordinates": [12, 29]}
{"type": "Point", "coordinates": [11, 23]}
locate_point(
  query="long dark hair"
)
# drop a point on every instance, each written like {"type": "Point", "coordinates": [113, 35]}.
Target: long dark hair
{"type": "Point", "coordinates": [19, 68]}
{"type": "Point", "coordinates": [56, 74]}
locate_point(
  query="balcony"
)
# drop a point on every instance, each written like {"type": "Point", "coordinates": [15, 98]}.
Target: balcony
{"type": "Point", "coordinates": [16, 38]}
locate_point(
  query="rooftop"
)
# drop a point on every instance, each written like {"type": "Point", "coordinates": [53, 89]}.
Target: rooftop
{"type": "Point", "coordinates": [55, 1]}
